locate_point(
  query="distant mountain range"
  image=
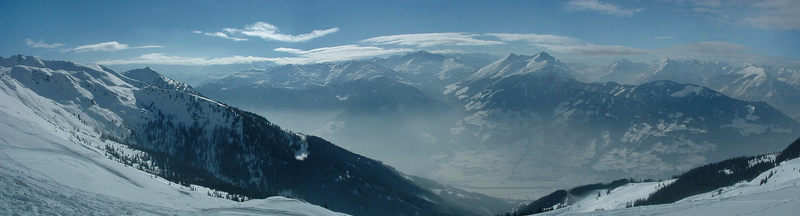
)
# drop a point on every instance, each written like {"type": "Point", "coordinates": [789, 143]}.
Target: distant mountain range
{"type": "Point", "coordinates": [779, 87]}
{"type": "Point", "coordinates": [523, 118]}
{"type": "Point", "coordinates": [531, 111]}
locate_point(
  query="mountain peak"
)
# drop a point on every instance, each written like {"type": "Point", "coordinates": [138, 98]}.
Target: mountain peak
{"type": "Point", "coordinates": [20, 59]}
{"type": "Point", "coordinates": [622, 60]}
{"type": "Point", "coordinates": [146, 71]}
{"type": "Point", "coordinates": [423, 55]}
{"type": "Point", "coordinates": [513, 64]}
{"type": "Point", "coordinates": [510, 56]}
{"type": "Point", "coordinates": [421, 52]}
{"type": "Point", "coordinates": [544, 56]}
{"type": "Point", "coordinates": [150, 76]}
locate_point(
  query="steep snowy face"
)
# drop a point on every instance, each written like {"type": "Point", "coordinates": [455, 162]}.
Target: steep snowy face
{"type": "Point", "coordinates": [543, 64]}
{"type": "Point", "coordinates": [357, 70]}
{"type": "Point", "coordinates": [417, 63]}
{"type": "Point", "coordinates": [98, 98]}
{"type": "Point", "coordinates": [151, 77]}
{"type": "Point", "coordinates": [195, 140]}
{"type": "Point", "coordinates": [790, 76]}
{"type": "Point", "coordinates": [624, 71]}
{"type": "Point", "coordinates": [434, 70]}
{"type": "Point", "coordinates": [692, 71]}
{"type": "Point", "coordinates": [21, 60]}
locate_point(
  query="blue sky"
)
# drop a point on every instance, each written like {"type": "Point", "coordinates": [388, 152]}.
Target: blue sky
{"type": "Point", "coordinates": [202, 33]}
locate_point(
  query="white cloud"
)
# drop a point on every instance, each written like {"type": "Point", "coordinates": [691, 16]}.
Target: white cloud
{"type": "Point", "coordinates": [431, 39]}
{"type": "Point", "coordinates": [267, 31]}
{"type": "Point", "coordinates": [536, 38]}
{"type": "Point", "coordinates": [110, 46]}
{"type": "Point", "coordinates": [448, 51]}
{"type": "Point", "coordinates": [42, 44]}
{"type": "Point", "coordinates": [606, 8]}
{"type": "Point", "coordinates": [594, 50]}
{"type": "Point", "coordinates": [220, 35]}
{"type": "Point", "coordinates": [161, 59]}
{"type": "Point", "coordinates": [337, 53]}
{"type": "Point", "coordinates": [319, 55]}
{"type": "Point", "coordinates": [569, 45]}
{"type": "Point", "coordinates": [775, 14]}
{"type": "Point", "coordinates": [764, 14]}
{"type": "Point", "coordinates": [709, 48]}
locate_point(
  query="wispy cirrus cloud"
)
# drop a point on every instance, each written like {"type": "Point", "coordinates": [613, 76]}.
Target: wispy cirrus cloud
{"type": "Point", "coordinates": [266, 31]}
{"type": "Point", "coordinates": [219, 35]}
{"type": "Point", "coordinates": [111, 46]}
{"type": "Point", "coordinates": [602, 7]}
{"type": "Point", "coordinates": [709, 48]}
{"type": "Point", "coordinates": [162, 59]}
{"type": "Point", "coordinates": [595, 50]}
{"type": "Point", "coordinates": [318, 55]}
{"type": "Point", "coordinates": [336, 53]}
{"type": "Point", "coordinates": [42, 44]}
{"type": "Point", "coordinates": [569, 45]}
{"type": "Point", "coordinates": [763, 14]}
{"type": "Point", "coordinates": [535, 38]}
{"type": "Point", "coordinates": [431, 39]}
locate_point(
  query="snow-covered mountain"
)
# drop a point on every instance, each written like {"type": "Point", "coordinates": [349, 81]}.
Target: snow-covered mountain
{"type": "Point", "coordinates": [532, 120]}
{"type": "Point", "coordinates": [354, 86]}
{"type": "Point", "coordinates": [94, 116]}
{"type": "Point", "coordinates": [54, 162]}
{"type": "Point", "coordinates": [624, 71]}
{"type": "Point", "coordinates": [780, 87]}
{"type": "Point", "coordinates": [149, 76]}
{"type": "Point", "coordinates": [541, 64]}
{"type": "Point", "coordinates": [432, 72]}
{"type": "Point", "coordinates": [757, 185]}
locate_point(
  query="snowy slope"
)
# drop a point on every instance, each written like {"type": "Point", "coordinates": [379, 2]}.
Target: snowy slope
{"type": "Point", "coordinates": [47, 169]}
{"type": "Point", "coordinates": [617, 198]}
{"type": "Point", "coordinates": [624, 71]}
{"type": "Point", "coordinates": [781, 202]}
{"type": "Point", "coordinates": [780, 195]}
{"type": "Point", "coordinates": [786, 175]}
